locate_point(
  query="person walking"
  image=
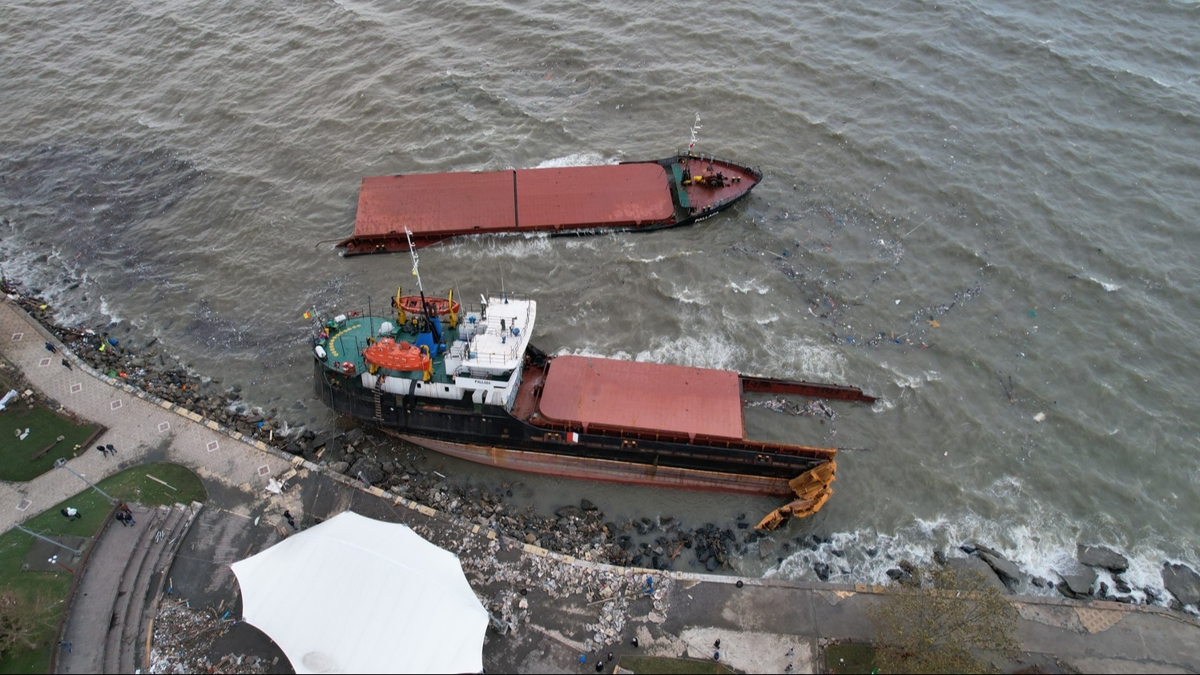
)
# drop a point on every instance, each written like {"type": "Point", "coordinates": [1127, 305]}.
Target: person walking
{"type": "Point", "coordinates": [287, 515]}
{"type": "Point", "coordinates": [111, 449]}
{"type": "Point", "coordinates": [71, 513]}
{"type": "Point", "coordinates": [102, 450]}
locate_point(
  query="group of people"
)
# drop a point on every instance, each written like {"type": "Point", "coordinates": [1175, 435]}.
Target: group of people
{"type": "Point", "coordinates": [124, 515]}
{"type": "Point", "coordinates": [107, 450]}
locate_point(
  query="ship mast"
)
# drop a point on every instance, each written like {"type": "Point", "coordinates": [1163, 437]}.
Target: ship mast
{"type": "Point", "coordinates": [425, 307]}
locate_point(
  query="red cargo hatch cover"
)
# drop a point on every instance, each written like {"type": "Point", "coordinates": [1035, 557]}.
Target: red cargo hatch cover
{"type": "Point", "coordinates": [609, 393]}
{"type": "Point", "coordinates": [611, 195]}
{"type": "Point", "coordinates": [451, 203]}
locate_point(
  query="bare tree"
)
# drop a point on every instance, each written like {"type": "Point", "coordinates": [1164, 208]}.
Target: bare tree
{"type": "Point", "coordinates": [20, 621]}
{"type": "Point", "coordinates": [944, 621]}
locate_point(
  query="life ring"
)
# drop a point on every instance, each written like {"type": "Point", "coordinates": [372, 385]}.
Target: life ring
{"type": "Point", "coordinates": [347, 368]}
{"type": "Point", "coordinates": [354, 314]}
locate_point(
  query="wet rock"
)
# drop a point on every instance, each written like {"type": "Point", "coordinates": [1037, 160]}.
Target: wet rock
{"type": "Point", "coordinates": [368, 470]}
{"type": "Point", "coordinates": [822, 571]}
{"type": "Point", "coordinates": [939, 557]}
{"type": "Point", "coordinates": [1101, 556]}
{"type": "Point", "coordinates": [974, 566]}
{"type": "Point", "coordinates": [1183, 582]}
{"type": "Point", "coordinates": [1008, 572]}
{"type": "Point", "coordinates": [569, 511]}
{"type": "Point", "coordinates": [766, 548]}
{"type": "Point", "coordinates": [587, 505]}
{"type": "Point", "coordinates": [1079, 585]}
{"type": "Point", "coordinates": [898, 575]}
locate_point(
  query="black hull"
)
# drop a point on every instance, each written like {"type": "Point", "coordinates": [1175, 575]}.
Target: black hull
{"type": "Point", "coordinates": [487, 426]}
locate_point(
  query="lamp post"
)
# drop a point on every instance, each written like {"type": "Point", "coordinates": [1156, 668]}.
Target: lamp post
{"type": "Point", "coordinates": [61, 463]}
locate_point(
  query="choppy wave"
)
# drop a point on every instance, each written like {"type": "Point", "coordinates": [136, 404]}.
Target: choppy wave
{"type": "Point", "coordinates": [976, 211]}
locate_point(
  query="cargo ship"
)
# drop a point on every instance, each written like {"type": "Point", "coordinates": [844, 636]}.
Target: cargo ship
{"type": "Point", "coordinates": [467, 382]}
{"type": "Point", "coordinates": [630, 196]}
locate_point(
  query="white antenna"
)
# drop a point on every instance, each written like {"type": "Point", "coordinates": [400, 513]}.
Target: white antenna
{"type": "Point", "coordinates": [416, 267]}
{"type": "Point", "coordinates": [695, 127]}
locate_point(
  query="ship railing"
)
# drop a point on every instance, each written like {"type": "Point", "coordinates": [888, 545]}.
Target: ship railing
{"type": "Point", "coordinates": [706, 157]}
{"type": "Point", "coordinates": [505, 356]}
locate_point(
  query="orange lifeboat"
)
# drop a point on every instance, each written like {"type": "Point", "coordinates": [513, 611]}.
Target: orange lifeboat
{"type": "Point", "coordinates": [401, 356]}
{"type": "Point", "coordinates": [441, 306]}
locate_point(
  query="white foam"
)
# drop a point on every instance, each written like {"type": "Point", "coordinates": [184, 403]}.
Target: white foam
{"type": "Point", "coordinates": [689, 297]}
{"type": "Point", "coordinates": [1106, 285]}
{"type": "Point", "coordinates": [751, 286]}
{"type": "Point", "coordinates": [909, 381]}
{"type": "Point", "coordinates": [704, 350]}
{"type": "Point", "coordinates": [1040, 546]}
{"type": "Point", "coordinates": [577, 159]}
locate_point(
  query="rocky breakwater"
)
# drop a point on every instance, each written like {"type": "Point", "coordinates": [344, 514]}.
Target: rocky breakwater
{"type": "Point", "coordinates": [1095, 573]}
{"type": "Point", "coordinates": [149, 368]}
{"type": "Point", "coordinates": [582, 530]}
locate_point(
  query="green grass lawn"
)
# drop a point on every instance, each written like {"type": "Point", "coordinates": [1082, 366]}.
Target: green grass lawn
{"type": "Point", "coordinates": [17, 457]}
{"type": "Point", "coordinates": [850, 657]}
{"type": "Point", "coordinates": [657, 664]}
{"type": "Point", "coordinates": [45, 593]}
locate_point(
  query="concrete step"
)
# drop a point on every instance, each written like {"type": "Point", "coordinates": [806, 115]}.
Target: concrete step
{"type": "Point", "coordinates": [148, 546]}
{"type": "Point", "coordinates": [156, 583]}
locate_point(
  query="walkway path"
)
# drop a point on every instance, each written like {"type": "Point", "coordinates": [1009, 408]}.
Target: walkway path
{"type": "Point", "coordinates": [141, 429]}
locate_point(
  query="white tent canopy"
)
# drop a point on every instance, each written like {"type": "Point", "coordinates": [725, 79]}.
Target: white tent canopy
{"type": "Point", "coordinates": [356, 595]}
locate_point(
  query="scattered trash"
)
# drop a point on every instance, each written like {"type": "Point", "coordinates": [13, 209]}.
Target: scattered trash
{"type": "Point", "coordinates": [1039, 417]}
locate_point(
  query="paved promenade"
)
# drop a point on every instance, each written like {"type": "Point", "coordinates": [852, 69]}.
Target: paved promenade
{"type": "Point", "coordinates": [552, 608]}
{"type": "Point", "coordinates": [140, 429]}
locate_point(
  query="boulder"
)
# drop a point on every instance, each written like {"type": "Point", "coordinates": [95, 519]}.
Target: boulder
{"type": "Point", "coordinates": [822, 571]}
{"type": "Point", "coordinates": [339, 467]}
{"type": "Point", "coordinates": [368, 468]}
{"type": "Point", "coordinates": [1183, 582]}
{"type": "Point", "coordinates": [766, 548]}
{"type": "Point", "coordinates": [1101, 556]}
{"type": "Point", "coordinates": [569, 511]}
{"type": "Point", "coordinates": [1008, 572]}
{"type": "Point", "coordinates": [973, 565]}
{"type": "Point", "coordinates": [1077, 585]}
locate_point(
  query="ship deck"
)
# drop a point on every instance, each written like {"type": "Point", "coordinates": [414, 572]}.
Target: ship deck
{"type": "Point", "coordinates": [522, 200]}
{"type": "Point", "coordinates": [347, 341]}
{"type": "Point", "coordinates": [632, 195]}
{"type": "Point", "coordinates": [610, 394]}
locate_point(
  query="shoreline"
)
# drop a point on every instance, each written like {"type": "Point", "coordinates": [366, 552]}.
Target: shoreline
{"type": "Point", "coordinates": [580, 531]}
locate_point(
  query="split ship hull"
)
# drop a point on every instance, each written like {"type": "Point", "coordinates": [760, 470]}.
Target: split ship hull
{"type": "Point", "coordinates": [493, 436]}
{"type": "Point", "coordinates": [631, 196]}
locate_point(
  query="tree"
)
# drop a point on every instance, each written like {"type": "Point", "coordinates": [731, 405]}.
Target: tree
{"type": "Point", "coordinates": [943, 621]}
{"type": "Point", "coordinates": [19, 622]}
